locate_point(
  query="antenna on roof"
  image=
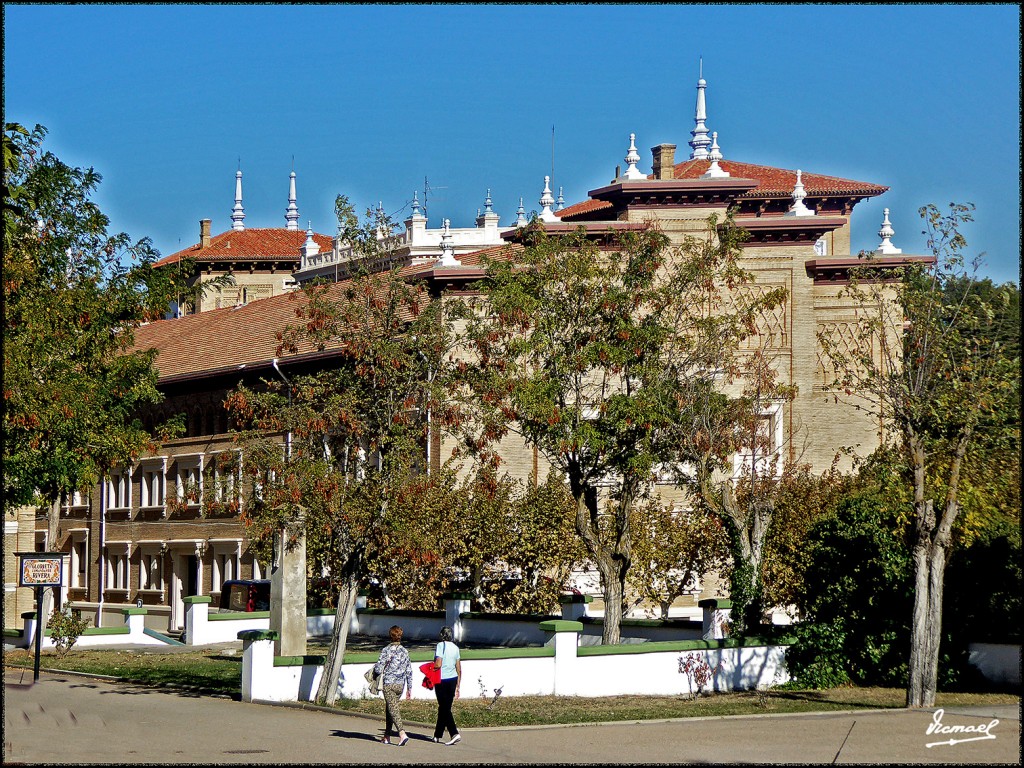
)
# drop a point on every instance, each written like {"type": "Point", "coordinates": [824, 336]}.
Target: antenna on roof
{"type": "Point", "coordinates": [426, 192]}
{"type": "Point", "coordinates": [552, 150]}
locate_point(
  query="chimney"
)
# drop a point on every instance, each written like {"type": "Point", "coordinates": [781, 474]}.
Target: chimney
{"type": "Point", "coordinates": [664, 161]}
{"type": "Point", "coordinates": [204, 233]}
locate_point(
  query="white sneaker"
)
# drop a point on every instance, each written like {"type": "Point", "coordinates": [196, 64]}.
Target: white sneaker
{"type": "Point", "coordinates": [454, 740]}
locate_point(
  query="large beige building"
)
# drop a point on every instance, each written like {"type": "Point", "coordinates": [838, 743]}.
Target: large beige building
{"type": "Point", "coordinates": [169, 525]}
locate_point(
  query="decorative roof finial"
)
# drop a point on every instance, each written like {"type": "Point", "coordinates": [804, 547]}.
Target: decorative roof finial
{"type": "Point", "coordinates": [238, 213]}
{"type": "Point", "coordinates": [546, 201]}
{"type": "Point", "coordinates": [798, 208]}
{"type": "Point", "coordinates": [521, 215]}
{"type": "Point", "coordinates": [560, 201]}
{"type": "Point", "coordinates": [487, 203]}
{"type": "Point", "coordinates": [310, 247]}
{"type": "Point", "coordinates": [714, 170]}
{"type": "Point", "coordinates": [291, 214]}
{"type": "Point", "coordinates": [415, 205]}
{"type": "Point", "coordinates": [632, 158]}
{"type": "Point", "coordinates": [700, 141]}
{"type": "Point", "coordinates": [886, 232]}
{"type": "Point", "coordinates": [447, 247]}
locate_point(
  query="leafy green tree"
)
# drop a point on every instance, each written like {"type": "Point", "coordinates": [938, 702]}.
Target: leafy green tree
{"type": "Point", "coordinates": [73, 294]}
{"type": "Point", "coordinates": [595, 355]}
{"type": "Point", "coordinates": [932, 360]}
{"type": "Point", "coordinates": [672, 549]}
{"type": "Point", "coordinates": [352, 433]}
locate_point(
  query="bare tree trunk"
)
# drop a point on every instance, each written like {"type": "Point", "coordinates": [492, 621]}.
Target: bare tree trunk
{"type": "Point", "coordinates": [327, 693]}
{"type": "Point", "coordinates": [51, 594]}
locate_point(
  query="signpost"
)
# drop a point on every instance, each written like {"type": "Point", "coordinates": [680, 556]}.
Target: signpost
{"type": "Point", "coordinates": [39, 570]}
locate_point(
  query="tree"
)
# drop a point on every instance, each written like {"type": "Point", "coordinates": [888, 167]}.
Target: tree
{"type": "Point", "coordinates": [595, 355]}
{"type": "Point", "coordinates": [672, 549]}
{"type": "Point", "coordinates": [930, 359]}
{"type": "Point", "coordinates": [73, 294]}
{"type": "Point", "coordinates": [354, 432]}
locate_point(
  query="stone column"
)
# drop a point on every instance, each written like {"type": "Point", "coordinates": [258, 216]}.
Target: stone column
{"type": "Point", "coordinates": [456, 604]}
{"type": "Point", "coordinates": [288, 589]}
{"type": "Point", "coordinates": [716, 613]}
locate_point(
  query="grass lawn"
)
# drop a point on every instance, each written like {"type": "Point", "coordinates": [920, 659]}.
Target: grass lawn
{"type": "Point", "coordinates": [219, 672]}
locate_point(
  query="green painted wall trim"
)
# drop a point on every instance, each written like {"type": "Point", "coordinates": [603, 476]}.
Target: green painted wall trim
{"type": "Point", "coordinates": [257, 634]}
{"type": "Point", "coordinates": [161, 637]}
{"type": "Point", "coordinates": [663, 646]}
{"type": "Point", "coordinates": [533, 618]}
{"type": "Point", "coordinates": [558, 625]}
{"type": "Point", "coordinates": [320, 611]}
{"type": "Point", "coordinates": [103, 631]}
{"type": "Point", "coordinates": [715, 602]}
{"type": "Point", "coordinates": [28, 615]}
{"type": "Point", "coordinates": [14, 632]}
{"type": "Point", "coordinates": [402, 612]}
{"type": "Point", "coordinates": [298, 661]}
{"type": "Point", "coordinates": [236, 616]}
{"type": "Point", "coordinates": [134, 611]}
{"type": "Point", "coordinates": [191, 599]}
{"type": "Point", "coordinates": [570, 599]}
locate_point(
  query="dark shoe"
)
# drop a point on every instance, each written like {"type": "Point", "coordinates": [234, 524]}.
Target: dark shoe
{"type": "Point", "coordinates": [454, 740]}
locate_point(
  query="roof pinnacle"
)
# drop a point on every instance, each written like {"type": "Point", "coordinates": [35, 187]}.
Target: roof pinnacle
{"type": "Point", "coordinates": [521, 214]}
{"type": "Point", "coordinates": [714, 170]}
{"type": "Point", "coordinates": [798, 208]}
{"type": "Point", "coordinates": [632, 158]}
{"type": "Point", "coordinates": [546, 201]}
{"type": "Point", "coordinates": [700, 140]}
{"type": "Point", "coordinates": [238, 213]}
{"type": "Point", "coordinates": [291, 214]}
{"type": "Point", "coordinates": [886, 232]}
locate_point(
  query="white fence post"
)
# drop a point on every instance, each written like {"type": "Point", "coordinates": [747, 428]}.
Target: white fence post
{"type": "Point", "coordinates": [574, 607]}
{"type": "Point", "coordinates": [197, 614]}
{"type": "Point", "coordinates": [565, 636]}
{"type": "Point", "coordinates": [257, 663]}
{"type": "Point", "coordinates": [135, 618]}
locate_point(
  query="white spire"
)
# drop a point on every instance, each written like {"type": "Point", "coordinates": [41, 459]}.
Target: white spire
{"type": "Point", "coordinates": [291, 215]}
{"type": "Point", "coordinates": [798, 208]}
{"type": "Point", "coordinates": [416, 214]}
{"type": "Point", "coordinates": [714, 170]}
{"type": "Point", "coordinates": [632, 158]}
{"type": "Point", "coordinates": [238, 213]}
{"type": "Point", "coordinates": [560, 202]}
{"type": "Point", "coordinates": [310, 247]}
{"type": "Point", "coordinates": [886, 232]}
{"type": "Point", "coordinates": [487, 203]}
{"type": "Point", "coordinates": [700, 141]}
{"type": "Point", "coordinates": [521, 215]}
{"type": "Point", "coordinates": [447, 247]}
{"type": "Point", "coordinates": [546, 201]}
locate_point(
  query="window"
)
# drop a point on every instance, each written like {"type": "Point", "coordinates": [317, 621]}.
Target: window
{"type": "Point", "coordinates": [151, 575]}
{"type": "Point", "coordinates": [119, 490]}
{"type": "Point", "coordinates": [79, 559]}
{"type": "Point", "coordinates": [188, 480]}
{"type": "Point", "coordinates": [117, 567]}
{"type": "Point", "coordinates": [75, 500]}
{"type": "Point", "coordinates": [152, 491]}
{"type": "Point", "coordinates": [225, 565]}
{"type": "Point", "coordinates": [764, 456]}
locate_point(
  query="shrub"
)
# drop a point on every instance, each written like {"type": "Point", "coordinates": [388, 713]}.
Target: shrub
{"type": "Point", "coordinates": [65, 629]}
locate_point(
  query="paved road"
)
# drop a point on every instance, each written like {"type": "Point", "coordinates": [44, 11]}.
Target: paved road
{"type": "Point", "coordinates": [74, 719]}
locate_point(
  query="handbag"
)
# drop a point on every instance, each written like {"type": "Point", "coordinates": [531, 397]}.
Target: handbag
{"type": "Point", "coordinates": [431, 675]}
{"type": "Point", "coordinates": [373, 681]}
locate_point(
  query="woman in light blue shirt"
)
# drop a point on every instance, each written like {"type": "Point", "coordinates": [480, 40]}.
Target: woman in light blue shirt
{"type": "Point", "coordinates": [447, 659]}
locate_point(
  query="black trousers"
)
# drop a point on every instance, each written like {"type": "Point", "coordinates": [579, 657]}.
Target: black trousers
{"type": "Point", "coordinates": [445, 692]}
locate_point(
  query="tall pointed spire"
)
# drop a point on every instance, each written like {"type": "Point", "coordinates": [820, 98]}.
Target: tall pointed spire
{"type": "Point", "coordinates": [447, 247]}
{"type": "Point", "coordinates": [238, 213]}
{"type": "Point", "coordinates": [560, 200]}
{"type": "Point", "coordinates": [291, 214]}
{"type": "Point", "coordinates": [700, 141]}
{"type": "Point", "coordinates": [632, 158]}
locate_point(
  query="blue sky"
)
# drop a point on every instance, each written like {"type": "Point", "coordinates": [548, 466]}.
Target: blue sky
{"type": "Point", "coordinates": [370, 100]}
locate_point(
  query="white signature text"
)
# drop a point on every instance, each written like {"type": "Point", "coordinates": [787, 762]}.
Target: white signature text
{"type": "Point", "coordinates": [983, 730]}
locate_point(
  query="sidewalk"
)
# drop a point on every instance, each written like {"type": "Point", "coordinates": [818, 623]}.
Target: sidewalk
{"type": "Point", "coordinates": [72, 719]}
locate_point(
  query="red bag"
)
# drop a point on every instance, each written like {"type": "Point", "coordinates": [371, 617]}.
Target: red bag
{"type": "Point", "coordinates": [431, 675]}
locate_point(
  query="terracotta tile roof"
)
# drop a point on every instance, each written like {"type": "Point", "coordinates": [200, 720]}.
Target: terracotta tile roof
{"type": "Point", "coordinates": [265, 243]}
{"type": "Point", "coordinates": [772, 182]}
{"type": "Point", "coordinates": [221, 340]}
{"type": "Point", "coordinates": [779, 181]}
